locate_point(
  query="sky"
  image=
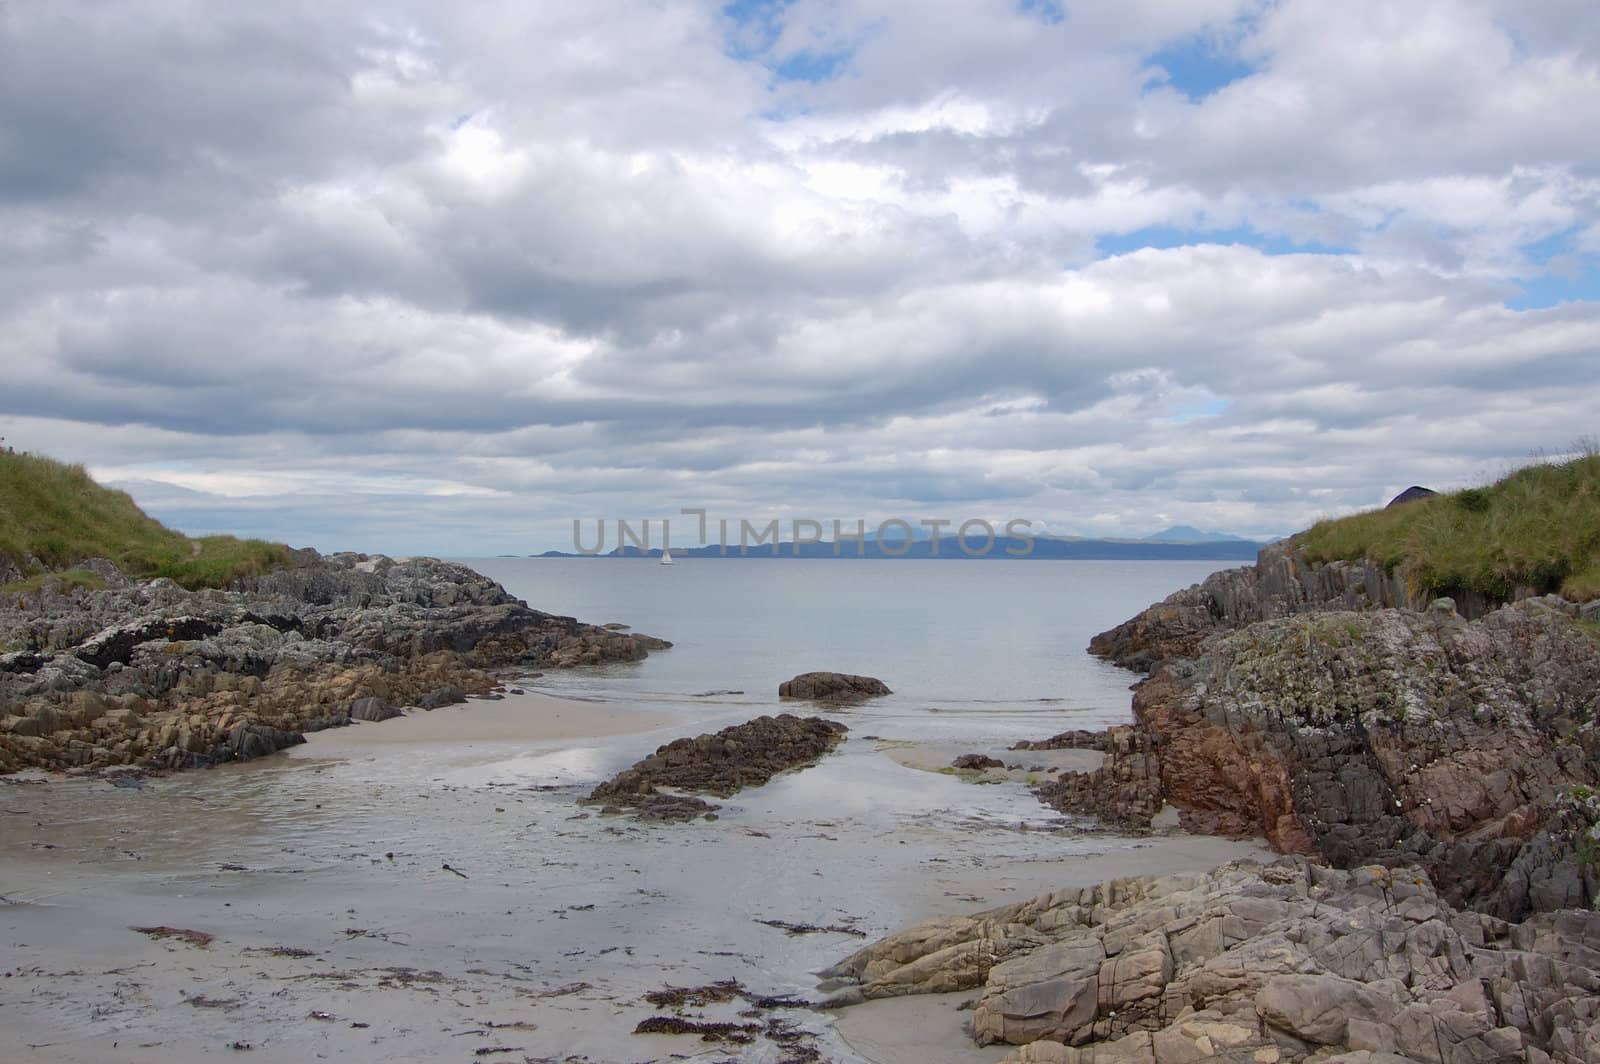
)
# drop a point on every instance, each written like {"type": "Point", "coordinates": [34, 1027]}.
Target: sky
{"type": "Point", "coordinates": [427, 278]}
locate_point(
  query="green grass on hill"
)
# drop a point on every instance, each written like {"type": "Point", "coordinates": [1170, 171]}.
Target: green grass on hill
{"type": "Point", "coordinates": [1538, 528]}
{"type": "Point", "coordinates": [56, 513]}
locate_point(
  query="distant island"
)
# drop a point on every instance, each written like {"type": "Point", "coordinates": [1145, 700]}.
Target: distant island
{"type": "Point", "coordinates": [1164, 546]}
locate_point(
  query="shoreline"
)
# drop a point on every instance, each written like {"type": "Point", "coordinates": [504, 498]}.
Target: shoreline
{"type": "Point", "coordinates": [528, 717]}
{"type": "Point", "coordinates": [274, 863]}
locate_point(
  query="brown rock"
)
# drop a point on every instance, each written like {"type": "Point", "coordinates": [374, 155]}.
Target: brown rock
{"type": "Point", "coordinates": [743, 755]}
{"type": "Point", "coordinates": [832, 687]}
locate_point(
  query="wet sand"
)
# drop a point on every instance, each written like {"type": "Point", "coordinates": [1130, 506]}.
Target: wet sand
{"type": "Point", "coordinates": [338, 930]}
{"type": "Point", "coordinates": [530, 717]}
{"type": "Point", "coordinates": [1020, 765]}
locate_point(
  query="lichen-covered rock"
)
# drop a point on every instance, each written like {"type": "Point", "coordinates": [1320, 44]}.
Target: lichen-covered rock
{"type": "Point", "coordinates": [1397, 737]}
{"type": "Point", "coordinates": [1282, 963]}
{"type": "Point", "coordinates": [1388, 735]}
{"type": "Point", "coordinates": [1282, 583]}
{"type": "Point", "coordinates": [149, 673]}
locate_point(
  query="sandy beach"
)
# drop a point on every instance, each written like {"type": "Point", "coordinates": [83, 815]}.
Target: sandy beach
{"type": "Point", "coordinates": [528, 717]}
{"type": "Point", "coordinates": [427, 888]}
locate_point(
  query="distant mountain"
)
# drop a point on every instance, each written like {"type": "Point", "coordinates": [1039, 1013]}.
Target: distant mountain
{"type": "Point", "coordinates": [1191, 534]}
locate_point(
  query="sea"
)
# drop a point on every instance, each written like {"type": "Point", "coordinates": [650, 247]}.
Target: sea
{"type": "Point", "coordinates": [973, 650]}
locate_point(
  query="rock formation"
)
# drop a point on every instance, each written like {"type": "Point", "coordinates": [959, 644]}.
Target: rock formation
{"type": "Point", "coordinates": [1399, 737]}
{"type": "Point", "coordinates": [832, 687]}
{"type": "Point", "coordinates": [1124, 792]}
{"type": "Point", "coordinates": [743, 755]}
{"type": "Point", "coordinates": [1470, 747]}
{"type": "Point", "coordinates": [1282, 583]}
{"type": "Point", "coordinates": [1076, 739]}
{"type": "Point", "coordinates": [146, 673]}
{"type": "Point", "coordinates": [1256, 965]}
{"type": "Point", "coordinates": [1414, 493]}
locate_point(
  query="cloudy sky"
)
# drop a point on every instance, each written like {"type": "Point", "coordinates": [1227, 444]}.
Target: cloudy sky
{"type": "Point", "coordinates": [427, 277]}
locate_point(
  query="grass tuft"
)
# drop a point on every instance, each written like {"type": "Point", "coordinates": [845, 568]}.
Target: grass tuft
{"type": "Point", "coordinates": [1538, 528]}
{"type": "Point", "coordinates": [56, 515]}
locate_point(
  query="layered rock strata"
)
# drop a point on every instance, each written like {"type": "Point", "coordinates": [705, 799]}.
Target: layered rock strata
{"type": "Point", "coordinates": [1257, 965]}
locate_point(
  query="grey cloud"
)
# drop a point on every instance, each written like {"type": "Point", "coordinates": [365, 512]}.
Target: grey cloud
{"type": "Point", "coordinates": [396, 277]}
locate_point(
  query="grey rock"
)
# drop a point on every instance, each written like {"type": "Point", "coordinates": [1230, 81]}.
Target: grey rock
{"type": "Point", "coordinates": [448, 695]}
{"type": "Point", "coordinates": [286, 650]}
{"type": "Point", "coordinates": [1415, 493]}
{"type": "Point", "coordinates": [1282, 583]}
{"type": "Point", "coordinates": [249, 741]}
{"type": "Point", "coordinates": [1319, 1008]}
{"type": "Point", "coordinates": [1389, 737]}
{"type": "Point", "coordinates": [1254, 964]}
{"type": "Point", "coordinates": [372, 709]}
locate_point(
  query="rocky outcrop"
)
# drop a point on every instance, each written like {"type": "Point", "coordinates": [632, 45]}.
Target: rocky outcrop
{"type": "Point", "coordinates": [1076, 739]}
{"type": "Point", "coordinates": [1257, 965]}
{"type": "Point", "coordinates": [832, 687]}
{"type": "Point", "coordinates": [1471, 748]}
{"type": "Point", "coordinates": [744, 755]}
{"type": "Point", "coordinates": [149, 673]}
{"type": "Point", "coordinates": [1282, 583]}
{"type": "Point", "coordinates": [1397, 737]}
{"type": "Point", "coordinates": [10, 571]}
{"type": "Point", "coordinates": [1415, 493]}
{"type": "Point", "coordinates": [1125, 792]}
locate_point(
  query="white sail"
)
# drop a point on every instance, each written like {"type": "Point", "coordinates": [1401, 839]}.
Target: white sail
{"type": "Point", "coordinates": [666, 556]}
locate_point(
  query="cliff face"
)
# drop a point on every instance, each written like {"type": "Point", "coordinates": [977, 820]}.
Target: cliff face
{"type": "Point", "coordinates": [1468, 747]}
{"type": "Point", "coordinates": [1341, 711]}
{"type": "Point", "coordinates": [148, 673]}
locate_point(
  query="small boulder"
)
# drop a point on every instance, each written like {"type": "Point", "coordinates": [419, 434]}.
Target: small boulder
{"type": "Point", "coordinates": [372, 709]}
{"type": "Point", "coordinates": [448, 695]}
{"type": "Point", "coordinates": [832, 687]}
{"type": "Point", "coordinates": [249, 741]}
{"type": "Point", "coordinates": [977, 761]}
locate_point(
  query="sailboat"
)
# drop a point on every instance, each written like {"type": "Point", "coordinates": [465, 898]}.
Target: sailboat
{"type": "Point", "coordinates": [666, 555]}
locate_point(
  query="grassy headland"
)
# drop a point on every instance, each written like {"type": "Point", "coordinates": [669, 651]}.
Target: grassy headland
{"type": "Point", "coordinates": [1539, 527]}
{"type": "Point", "coordinates": [57, 515]}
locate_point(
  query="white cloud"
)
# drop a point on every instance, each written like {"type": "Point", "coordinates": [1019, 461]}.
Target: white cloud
{"type": "Point", "coordinates": [424, 281]}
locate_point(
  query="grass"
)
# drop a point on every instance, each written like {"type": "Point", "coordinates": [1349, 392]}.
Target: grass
{"type": "Point", "coordinates": [57, 515]}
{"type": "Point", "coordinates": [71, 580]}
{"type": "Point", "coordinates": [1539, 528]}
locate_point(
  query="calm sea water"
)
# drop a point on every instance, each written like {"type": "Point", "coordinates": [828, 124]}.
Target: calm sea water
{"type": "Point", "coordinates": [973, 650]}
